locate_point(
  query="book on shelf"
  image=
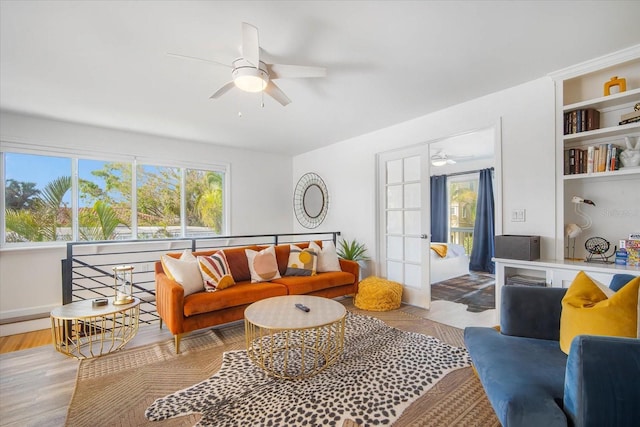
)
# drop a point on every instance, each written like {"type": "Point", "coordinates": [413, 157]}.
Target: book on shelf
{"type": "Point", "coordinates": [581, 120]}
{"type": "Point", "coordinates": [592, 159]}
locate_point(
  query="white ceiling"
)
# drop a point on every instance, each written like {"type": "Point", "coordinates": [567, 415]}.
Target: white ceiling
{"type": "Point", "coordinates": [105, 63]}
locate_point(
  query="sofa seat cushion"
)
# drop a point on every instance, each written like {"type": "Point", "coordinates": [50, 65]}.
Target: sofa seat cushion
{"type": "Point", "coordinates": [240, 294]}
{"type": "Point", "coordinates": [523, 377]}
{"type": "Point", "coordinates": [298, 285]}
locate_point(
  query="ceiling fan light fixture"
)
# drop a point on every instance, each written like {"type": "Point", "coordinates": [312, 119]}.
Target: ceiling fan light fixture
{"type": "Point", "coordinates": [250, 83]}
{"type": "Point", "coordinates": [438, 162]}
{"type": "Point", "coordinates": [249, 78]}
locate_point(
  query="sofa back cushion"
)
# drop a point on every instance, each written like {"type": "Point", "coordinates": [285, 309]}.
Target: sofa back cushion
{"type": "Point", "coordinates": [531, 311]}
{"type": "Point", "coordinates": [238, 263]}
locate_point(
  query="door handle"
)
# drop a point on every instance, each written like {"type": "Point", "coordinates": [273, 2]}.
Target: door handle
{"type": "Point", "coordinates": [424, 236]}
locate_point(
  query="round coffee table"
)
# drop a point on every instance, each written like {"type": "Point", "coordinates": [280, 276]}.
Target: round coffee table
{"type": "Point", "coordinates": [292, 344]}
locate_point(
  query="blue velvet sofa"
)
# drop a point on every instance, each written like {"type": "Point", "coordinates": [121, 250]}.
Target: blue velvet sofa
{"type": "Point", "coordinates": [531, 382]}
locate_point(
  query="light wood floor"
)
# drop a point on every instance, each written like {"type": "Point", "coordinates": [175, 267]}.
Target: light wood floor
{"type": "Point", "coordinates": [25, 341]}
{"type": "Point", "coordinates": [37, 383]}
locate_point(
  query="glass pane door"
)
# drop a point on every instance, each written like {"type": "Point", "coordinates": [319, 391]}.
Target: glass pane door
{"type": "Point", "coordinates": [404, 221]}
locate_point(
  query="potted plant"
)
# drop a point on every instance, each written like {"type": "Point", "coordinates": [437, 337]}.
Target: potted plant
{"type": "Point", "coordinates": [352, 250]}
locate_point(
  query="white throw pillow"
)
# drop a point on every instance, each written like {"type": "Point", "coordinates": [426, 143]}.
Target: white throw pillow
{"type": "Point", "coordinates": [263, 265]}
{"type": "Point", "coordinates": [184, 271]}
{"type": "Point", "coordinates": [327, 256]}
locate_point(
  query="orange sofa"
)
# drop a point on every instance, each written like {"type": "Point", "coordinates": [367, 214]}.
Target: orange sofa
{"type": "Point", "coordinates": [206, 309]}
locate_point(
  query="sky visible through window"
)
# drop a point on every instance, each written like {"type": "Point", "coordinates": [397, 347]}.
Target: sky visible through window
{"type": "Point", "coordinates": [38, 199]}
{"type": "Point", "coordinates": [40, 170]}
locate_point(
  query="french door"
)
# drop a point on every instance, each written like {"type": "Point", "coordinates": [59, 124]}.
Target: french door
{"type": "Point", "coordinates": [404, 221]}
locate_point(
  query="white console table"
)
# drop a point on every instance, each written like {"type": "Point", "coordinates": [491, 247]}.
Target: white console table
{"type": "Point", "coordinates": [556, 273]}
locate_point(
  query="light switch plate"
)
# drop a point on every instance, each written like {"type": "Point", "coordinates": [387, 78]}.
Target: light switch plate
{"type": "Point", "coordinates": [518, 215]}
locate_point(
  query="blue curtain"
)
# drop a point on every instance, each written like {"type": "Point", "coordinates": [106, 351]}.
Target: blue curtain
{"type": "Point", "coordinates": [484, 230]}
{"type": "Point", "coordinates": [439, 217]}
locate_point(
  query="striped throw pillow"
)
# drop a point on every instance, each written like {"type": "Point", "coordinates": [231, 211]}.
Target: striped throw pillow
{"type": "Point", "coordinates": [215, 272]}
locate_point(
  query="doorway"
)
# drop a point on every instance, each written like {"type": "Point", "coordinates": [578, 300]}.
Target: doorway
{"type": "Point", "coordinates": [404, 206]}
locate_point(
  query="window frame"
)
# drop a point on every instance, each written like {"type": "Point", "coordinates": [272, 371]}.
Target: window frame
{"type": "Point", "coordinates": [77, 155]}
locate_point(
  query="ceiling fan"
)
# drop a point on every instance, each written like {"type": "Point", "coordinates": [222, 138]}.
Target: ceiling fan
{"type": "Point", "coordinates": [250, 74]}
{"type": "Point", "coordinates": [441, 159]}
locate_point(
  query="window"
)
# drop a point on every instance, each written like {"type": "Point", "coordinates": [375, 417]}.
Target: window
{"type": "Point", "coordinates": [40, 204]}
{"type": "Point", "coordinates": [463, 194]}
{"type": "Point", "coordinates": [204, 191]}
{"type": "Point", "coordinates": [37, 198]}
{"type": "Point", "coordinates": [104, 202]}
{"type": "Point", "coordinates": [158, 196]}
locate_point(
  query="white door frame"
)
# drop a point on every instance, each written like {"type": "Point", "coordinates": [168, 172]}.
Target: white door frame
{"type": "Point", "coordinates": [414, 261]}
{"type": "Point", "coordinates": [423, 295]}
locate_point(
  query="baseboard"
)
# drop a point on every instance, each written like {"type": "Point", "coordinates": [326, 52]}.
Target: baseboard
{"type": "Point", "coordinates": [25, 326]}
{"type": "Point", "coordinates": [25, 320]}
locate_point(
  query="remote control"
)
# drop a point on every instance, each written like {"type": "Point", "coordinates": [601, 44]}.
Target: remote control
{"type": "Point", "coordinates": [303, 308]}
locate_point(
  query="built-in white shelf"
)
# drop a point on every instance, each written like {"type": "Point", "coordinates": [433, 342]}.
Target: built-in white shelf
{"type": "Point", "coordinates": [632, 95]}
{"type": "Point", "coordinates": [590, 135]}
{"type": "Point", "coordinates": [596, 175]}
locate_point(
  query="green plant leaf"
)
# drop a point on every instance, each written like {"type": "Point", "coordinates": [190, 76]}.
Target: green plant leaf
{"type": "Point", "coordinates": [352, 250]}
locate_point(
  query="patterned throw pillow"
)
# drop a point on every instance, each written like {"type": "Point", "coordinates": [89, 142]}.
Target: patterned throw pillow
{"type": "Point", "coordinates": [302, 262]}
{"type": "Point", "coordinates": [263, 265]}
{"type": "Point", "coordinates": [215, 272]}
{"type": "Point", "coordinates": [327, 256]}
{"type": "Point", "coordinates": [184, 271]}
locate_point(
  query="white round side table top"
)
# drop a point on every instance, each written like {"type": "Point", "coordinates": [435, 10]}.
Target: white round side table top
{"type": "Point", "coordinates": [84, 308]}
{"type": "Point", "coordinates": [281, 312]}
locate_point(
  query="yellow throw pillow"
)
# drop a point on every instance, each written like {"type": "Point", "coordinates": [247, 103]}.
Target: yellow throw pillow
{"type": "Point", "coordinates": [586, 310]}
{"type": "Point", "coordinates": [440, 249]}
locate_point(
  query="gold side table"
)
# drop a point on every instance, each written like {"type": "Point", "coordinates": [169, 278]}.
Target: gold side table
{"type": "Point", "coordinates": [83, 331]}
{"type": "Point", "coordinates": [291, 344]}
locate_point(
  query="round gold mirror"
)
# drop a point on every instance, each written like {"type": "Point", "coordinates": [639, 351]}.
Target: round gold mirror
{"type": "Point", "coordinates": [310, 200]}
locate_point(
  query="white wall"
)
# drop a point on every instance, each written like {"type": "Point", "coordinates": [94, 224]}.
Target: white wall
{"type": "Point", "coordinates": [528, 166]}
{"type": "Point", "coordinates": [30, 279]}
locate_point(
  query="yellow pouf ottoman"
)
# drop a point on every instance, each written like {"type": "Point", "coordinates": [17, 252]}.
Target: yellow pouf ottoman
{"type": "Point", "coordinates": [378, 294]}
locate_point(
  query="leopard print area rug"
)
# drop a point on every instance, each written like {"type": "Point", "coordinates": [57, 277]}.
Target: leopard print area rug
{"type": "Point", "coordinates": [382, 371]}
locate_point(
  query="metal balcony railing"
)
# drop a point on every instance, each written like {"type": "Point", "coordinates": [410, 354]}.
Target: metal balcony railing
{"type": "Point", "coordinates": [462, 236]}
{"type": "Point", "coordinates": [87, 270]}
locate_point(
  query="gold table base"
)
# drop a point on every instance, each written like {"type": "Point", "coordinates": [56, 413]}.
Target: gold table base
{"type": "Point", "coordinates": [293, 344]}
{"type": "Point", "coordinates": [295, 353]}
{"type": "Point", "coordinates": [82, 331]}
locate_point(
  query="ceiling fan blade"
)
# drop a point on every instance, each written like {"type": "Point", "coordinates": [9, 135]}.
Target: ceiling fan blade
{"type": "Point", "coordinates": [193, 58]}
{"type": "Point", "coordinates": [224, 89]}
{"type": "Point", "coordinates": [276, 93]}
{"type": "Point", "coordinates": [451, 162]}
{"type": "Point", "coordinates": [280, 71]}
{"type": "Point", "coordinates": [250, 44]}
